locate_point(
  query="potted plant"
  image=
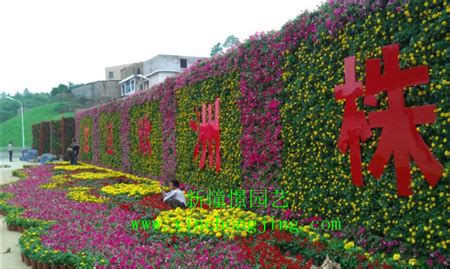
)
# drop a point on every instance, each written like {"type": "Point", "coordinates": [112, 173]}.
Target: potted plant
{"type": "Point", "coordinates": [58, 260]}
{"type": "Point", "coordinates": [72, 261]}
{"type": "Point", "coordinates": [44, 258]}
{"type": "Point", "coordinates": [27, 261]}
{"type": "Point", "coordinates": [34, 264]}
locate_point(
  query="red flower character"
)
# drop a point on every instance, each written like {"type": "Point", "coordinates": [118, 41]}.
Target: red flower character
{"type": "Point", "coordinates": [86, 135]}
{"type": "Point", "coordinates": [109, 139]}
{"type": "Point", "coordinates": [208, 132]}
{"type": "Point", "coordinates": [399, 136]}
{"type": "Point", "coordinates": [145, 129]}
{"type": "Point", "coordinates": [354, 125]}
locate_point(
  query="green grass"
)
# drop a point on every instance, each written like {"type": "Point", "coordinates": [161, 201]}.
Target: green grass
{"type": "Point", "coordinates": [11, 130]}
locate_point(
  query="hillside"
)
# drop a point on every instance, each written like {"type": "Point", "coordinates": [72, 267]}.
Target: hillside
{"type": "Point", "coordinates": [12, 130]}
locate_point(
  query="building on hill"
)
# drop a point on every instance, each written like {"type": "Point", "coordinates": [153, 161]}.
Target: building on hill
{"type": "Point", "coordinates": [113, 72]}
{"type": "Point", "coordinates": [144, 75]}
{"type": "Point", "coordinates": [98, 91]}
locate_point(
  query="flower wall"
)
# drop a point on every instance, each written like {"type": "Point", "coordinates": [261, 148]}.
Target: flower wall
{"type": "Point", "coordinates": [109, 132]}
{"type": "Point", "coordinates": [44, 138]}
{"type": "Point", "coordinates": [280, 122]}
{"type": "Point", "coordinates": [35, 133]}
{"type": "Point", "coordinates": [190, 100]}
{"type": "Point", "coordinates": [315, 174]}
{"type": "Point", "coordinates": [67, 133]}
{"type": "Point", "coordinates": [84, 130]}
{"type": "Point", "coordinates": [260, 86]}
{"type": "Point", "coordinates": [146, 139]}
{"type": "Point", "coordinates": [55, 137]}
{"type": "Point", "coordinates": [130, 139]}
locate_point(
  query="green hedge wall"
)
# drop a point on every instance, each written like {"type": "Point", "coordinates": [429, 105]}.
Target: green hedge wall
{"type": "Point", "coordinates": [55, 137]}
{"type": "Point", "coordinates": [44, 138]}
{"type": "Point", "coordinates": [67, 133]}
{"type": "Point", "coordinates": [35, 132]}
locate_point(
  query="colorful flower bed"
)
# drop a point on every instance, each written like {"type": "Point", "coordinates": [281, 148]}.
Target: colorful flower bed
{"type": "Point", "coordinates": [62, 229]}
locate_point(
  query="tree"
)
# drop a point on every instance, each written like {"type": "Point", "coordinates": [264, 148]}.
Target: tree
{"type": "Point", "coordinates": [62, 88]}
{"type": "Point", "coordinates": [230, 42]}
{"type": "Point", "coordinates": [27, 93]}
{"type": "Point", "coordinates": [217, 48]}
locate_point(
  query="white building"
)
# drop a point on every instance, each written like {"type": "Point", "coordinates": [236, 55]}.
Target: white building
{"type": "Point", "coordinates": [140, 76]}
{"type": "Point", "coordinates": [113, 72]}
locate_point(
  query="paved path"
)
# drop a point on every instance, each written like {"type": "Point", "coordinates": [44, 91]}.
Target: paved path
{"type": "Point", "coordinates": [9, 239]}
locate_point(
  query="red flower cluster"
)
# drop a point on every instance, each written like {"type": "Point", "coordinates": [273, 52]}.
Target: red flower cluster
{"type": "Point", "coordinates": [145, 129]}
{"type": "Point", "coordinates": [260, 251]}
{"type": "Point", "coordinates": [109, 139]}
{"type": "Point", "coordinates": [154, 201]}
{"type": "Point", "coordinates": [86, 144]}
{"type": "Point", "coordinates": [125, 206]}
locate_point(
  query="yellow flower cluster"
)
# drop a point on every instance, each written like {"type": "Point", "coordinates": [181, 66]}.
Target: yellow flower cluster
{"type": "Point", "coordinates": [133, 189]}
{"type": "Point", "coordinates": [81, 194]}
{"type": "Point", "coordinates": [114, 173]}
{"type": "Point", "coordinates": [61, 163]}
{"type": "Point", "coordinates": [349, 245]}
{"type": "Point", "coordinates": [105, 172]}
{"type": "Point", "coordinates": [56, 181]}
{"type": "Point", "coordinates": [80, 166]}
{"type": "Point", "coordinates": [93, 175]}
{"type": "Point", "coordinates": [228, 222]}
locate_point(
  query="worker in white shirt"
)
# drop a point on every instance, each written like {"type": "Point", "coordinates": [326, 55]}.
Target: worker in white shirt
{"type": "Point", "coordinates": [174, 198]}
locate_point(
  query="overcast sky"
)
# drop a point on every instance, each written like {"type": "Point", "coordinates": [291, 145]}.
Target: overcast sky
{"type": "Point", "coordinates": [47, 42]}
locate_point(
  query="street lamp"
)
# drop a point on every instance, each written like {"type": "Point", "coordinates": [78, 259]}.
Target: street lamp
{"type": "Point", "coordinates": [21, 113]}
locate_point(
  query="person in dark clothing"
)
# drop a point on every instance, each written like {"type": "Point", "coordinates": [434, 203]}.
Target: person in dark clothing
{"type": "Point", "coordinates": [70, 153]}
{"type": "Point", "coordinates": [75, 150]}
{"type": "Point", "coordinates": [10, 150]}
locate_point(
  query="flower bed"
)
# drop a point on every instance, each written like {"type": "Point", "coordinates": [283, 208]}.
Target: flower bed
{"type": "Point", "coordinates": [85, 233]}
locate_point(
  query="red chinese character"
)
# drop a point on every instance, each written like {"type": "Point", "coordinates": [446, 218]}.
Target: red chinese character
{"type": "Point", "coordinates": [145, 129]}
{"type": "Point", "coordinates": [208, 135]}
{"type": "Point", "coordinates": [109, 139]}
{"type": "Point", "coordinates": [354, 125]}
{"type": "Point", "coordinates": [85, 135]}
{"type": "Point", "coordinates": [399, 136]}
